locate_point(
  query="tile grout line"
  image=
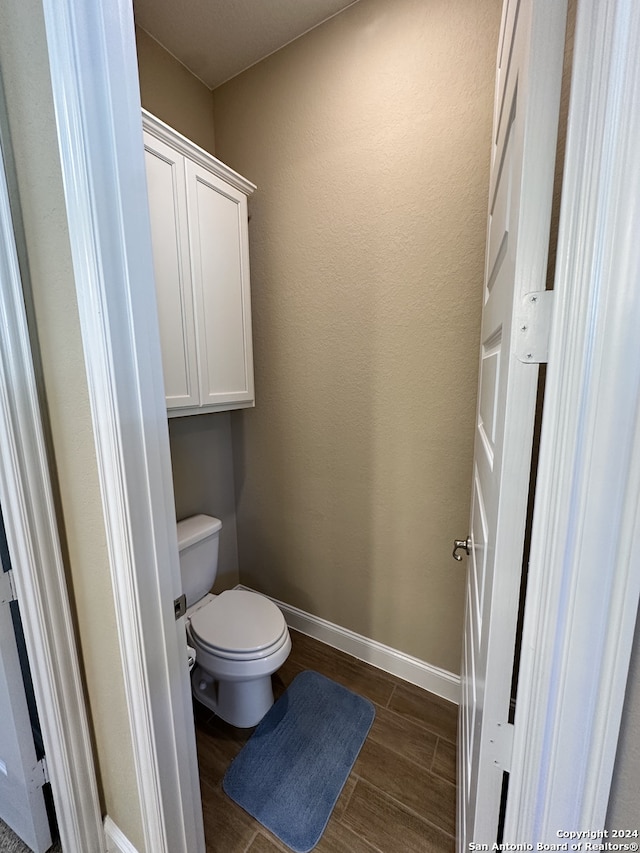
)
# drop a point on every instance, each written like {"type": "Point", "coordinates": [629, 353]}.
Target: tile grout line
{"type": "Point", "coordinates": [390, 698]}
{"type": "Point", "coordinates": [403, 807]}
{"type": "Point", "coordinates": [251, 840]}
{"type": "Point", "coordinates": [366, 841]}
{"type": "Point", "coordinates": [423, 767]}
{"type": "Point", "coordinates": [435, 772]}
{"type": "Point", "coordinates": [345, 806]}
{"type": "Point", "coordinates": [271, 838]}
{"type": "Point", "coordinates": [418, 722]}
{"type": "Point", "coordinates": [413, 812]}
{"type": "Point", "coordinates": [433, 757]}
{"type": "Point", "coordinates": [423, 726]}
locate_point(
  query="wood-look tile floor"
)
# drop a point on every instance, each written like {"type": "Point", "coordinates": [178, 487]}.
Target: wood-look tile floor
{"type": "Point", "coordinates": [400, 796]}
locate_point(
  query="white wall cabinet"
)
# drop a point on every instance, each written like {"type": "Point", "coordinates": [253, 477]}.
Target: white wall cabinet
{"type": "Point", "coordinates": [198, 211]}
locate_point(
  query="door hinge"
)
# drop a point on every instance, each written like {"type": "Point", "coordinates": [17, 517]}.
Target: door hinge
{"type": "Point", "coordinates": [40, 774]}
{"type": "Point", "coordinates": [533, 327]}
{"type": "Point", "coordinates": [7, 588]}
{"type": "Point", "coordinates": [501, 745]}
{"type": "Point", "coordinates": [180, 606]}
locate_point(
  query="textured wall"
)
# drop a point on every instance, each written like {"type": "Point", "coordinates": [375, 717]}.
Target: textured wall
{"type": "Point", "coordinates": [201, 458]}
{"type": "Point", "coordinates": [173, 94]}
{"type": "Point", "coordinates": [32, 125]}
{"type": "Point", "coordinates": [369, 142]}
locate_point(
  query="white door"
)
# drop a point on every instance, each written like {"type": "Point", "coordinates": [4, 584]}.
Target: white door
{"type": "Point", "coordinates": [22, 804]}
{"type": "Point", "coordinates": [528, 79]}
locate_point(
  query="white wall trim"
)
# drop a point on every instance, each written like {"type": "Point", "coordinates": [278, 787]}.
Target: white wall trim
{"type": "Point", "coordinates": [411, 669]}
{"type": "Point", "coordinates": [32, 536]}
{"type": "Point", "coordinates": [117, 841]}
{"type": "Point", "coordinates": [92, 62]}
{"type": "Point", "coordinates": [584, 576]}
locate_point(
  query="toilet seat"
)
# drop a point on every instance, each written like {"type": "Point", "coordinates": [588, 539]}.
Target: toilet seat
{"type": "Point", "coordinates": [239, 625]}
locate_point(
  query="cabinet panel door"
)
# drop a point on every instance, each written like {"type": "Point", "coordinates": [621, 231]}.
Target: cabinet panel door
{"type": "Point", "coordinates": [220, 269]}
{"type": "Point", "coordinates": [170, 239]}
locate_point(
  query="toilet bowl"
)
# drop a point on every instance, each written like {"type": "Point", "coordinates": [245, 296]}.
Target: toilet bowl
{"type": "Point", "coordinates": [240, 637]}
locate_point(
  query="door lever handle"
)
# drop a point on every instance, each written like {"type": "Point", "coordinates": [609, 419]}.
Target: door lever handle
{"type": "Point", "coordinates": [459, 544]}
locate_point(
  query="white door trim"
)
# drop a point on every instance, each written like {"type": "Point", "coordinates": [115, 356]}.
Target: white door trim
{"type": "Point", "coordinates": [38, 570]}
{"type": "Point", "coordinates": [584, 576]}
{"type": "Point", "coordinates": [94, 79]}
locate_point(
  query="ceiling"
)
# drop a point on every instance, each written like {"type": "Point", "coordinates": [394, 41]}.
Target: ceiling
{"type": "Point", "coordinates": [217, 39]}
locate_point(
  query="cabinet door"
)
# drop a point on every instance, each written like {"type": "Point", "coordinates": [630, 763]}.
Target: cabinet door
{"type": "Point", "coordinates": [170, 239]}
{"type": "Point", "coordinates": [220, 269]}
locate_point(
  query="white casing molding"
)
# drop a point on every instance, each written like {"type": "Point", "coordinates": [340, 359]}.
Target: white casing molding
{"type": "Point", "coordinates": [411, 669]}
{"type": "Point", "coordinates": [38, 570]}
{"type": "Point", "coordinates": [584, 575]}
{"type": "Point", "coordinates": [92, 63]}
{"type": "Point", "coordinates": [116, 840]}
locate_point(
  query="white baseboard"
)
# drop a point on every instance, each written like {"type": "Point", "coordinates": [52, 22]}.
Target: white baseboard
{"type": "Point", "coordinates": [117, 841]}
{"type": "Point", "coordinates": [415, 671]}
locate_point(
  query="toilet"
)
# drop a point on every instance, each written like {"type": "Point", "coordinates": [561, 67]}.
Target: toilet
{"type": "Point", "coordinates": [240, 638]}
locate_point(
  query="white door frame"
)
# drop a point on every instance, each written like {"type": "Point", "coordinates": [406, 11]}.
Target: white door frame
{"type": "Point", "coordinates": [568, 713]}
{"type": "Point", "coordinates": [38, 570]}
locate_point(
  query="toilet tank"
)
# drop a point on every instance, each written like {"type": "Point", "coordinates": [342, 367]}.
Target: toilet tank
{"type": "Point", "coordinates": [198, 548]}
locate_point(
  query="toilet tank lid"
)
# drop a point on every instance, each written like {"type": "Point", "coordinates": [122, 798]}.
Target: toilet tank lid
{"type": "Point", "coordinates": [195, 529]}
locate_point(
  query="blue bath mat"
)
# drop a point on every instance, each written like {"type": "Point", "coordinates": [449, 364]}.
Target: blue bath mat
{"type": "Point", "coordinates": [290, 772]}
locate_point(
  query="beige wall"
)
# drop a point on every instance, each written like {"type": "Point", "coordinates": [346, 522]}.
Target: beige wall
{"type": "Point", "coordinates": [369, 142]}
{"type": "Point", "coordinates": [173, 94]}
{"type": "Point", "coordinates": [32, 127]}
{"type": "Point", "coordinates": [203, 481]}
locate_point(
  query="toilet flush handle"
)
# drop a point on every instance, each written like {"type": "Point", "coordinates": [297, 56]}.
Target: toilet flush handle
{"type": "Point", "coordinates": [460, 544]}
